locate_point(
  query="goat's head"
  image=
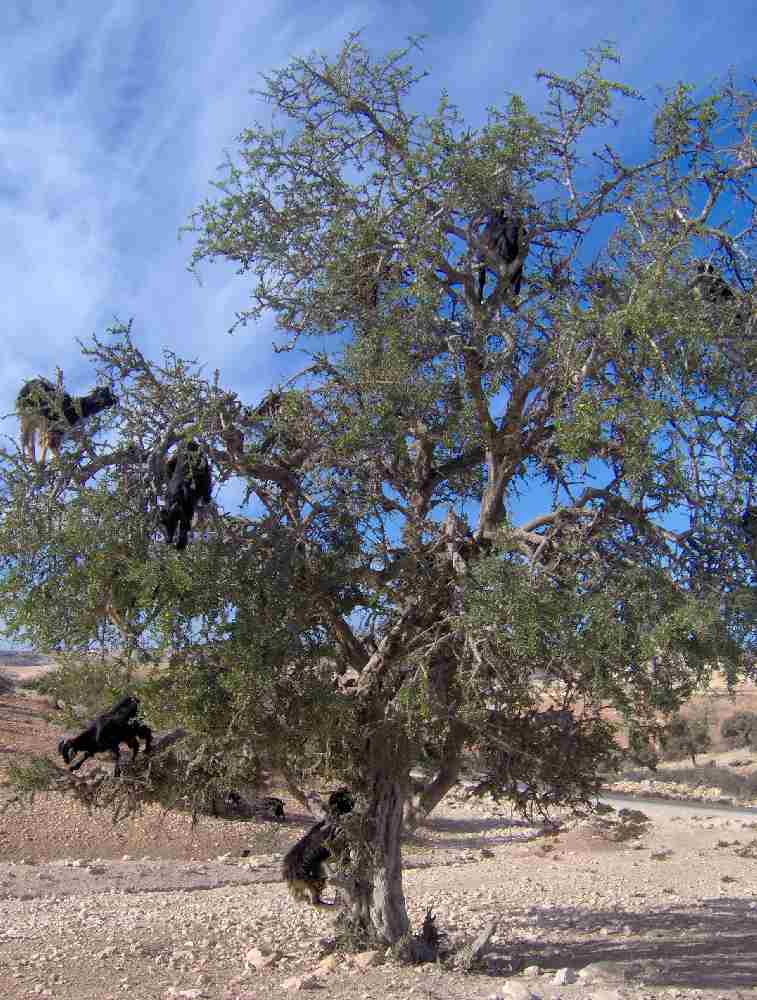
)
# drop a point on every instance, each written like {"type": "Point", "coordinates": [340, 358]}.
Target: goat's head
{"type": "Point", "coordinates": [169, 521]}
{"type": "Point", "coordinates": [64, 749]}
{"type": "Point", "coordinates": [341, 802]}
{"type": "Point", "coordinates": [103, 397]}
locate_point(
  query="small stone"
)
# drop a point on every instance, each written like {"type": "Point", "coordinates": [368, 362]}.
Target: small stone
{"type": "Point", "coordinates": [564, 977]}
{"type": "Point", "coordinates": [365, 959]}
{"type": "Point", "coordinates": [261, 958]}
{"type": "Point", "coordinates": [295, 983]}
{"type": "Point", "coordinates": [513, 990]}
{"type": "Point", "coordinates": [531, 972]}
{"type": "Point", "coordinates": [602, 972]}
{"type": "Point", "coordinates": [328, 964]}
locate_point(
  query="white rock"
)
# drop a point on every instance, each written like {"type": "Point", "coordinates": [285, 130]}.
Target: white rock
{"type": "Point", "coordinates": [295, 983]}
{"type": "Point", "coordinates": [365, 959]}
{"type": "Point", "coordinates": [599, 972]}
{"type": "Point", "coordinates": [563, 977]}
{"type": "Point", "coordinates": [513, 990]}
{"type": "Point", "coordinates": [329, 964]}
{"type": "Point", "coordinates": [261, 959]}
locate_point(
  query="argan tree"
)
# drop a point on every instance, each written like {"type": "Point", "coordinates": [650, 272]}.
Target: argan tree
{"type": "Point", "coordinates": [481, 526]}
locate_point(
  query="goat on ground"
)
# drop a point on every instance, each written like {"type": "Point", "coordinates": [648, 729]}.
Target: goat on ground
{"type": "Point", "coordinates": [189, 481]}
{"type": "Point", "coordinates": [269, 807]}
{"type": "Point", "coordinates": [501, 240]}
{"type": "Point", "coordinates": [118, 725]}
{"type": "Point", "coordinates": [303, 868]}
{"type": "Point", "coordinates": [51, 411]}
{"type": "Point", "coordinates": [233, 804]}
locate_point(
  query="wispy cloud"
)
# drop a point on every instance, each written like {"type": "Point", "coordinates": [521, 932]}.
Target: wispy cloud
{"type": "Point", "coordinates": [114, 118]}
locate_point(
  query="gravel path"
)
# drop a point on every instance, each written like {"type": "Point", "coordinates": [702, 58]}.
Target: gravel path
{"type": "Point", "coordinates": [674, 915]}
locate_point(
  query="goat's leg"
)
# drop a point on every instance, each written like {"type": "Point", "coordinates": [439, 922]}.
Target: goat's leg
{"type": "Point", "coordinates": [28, 441]}
{"type": "Point", "coordinates": [87, 755]}
{"type": "Point", "coordinates": [133, 745]}
{"type": "Point", "coordinates": [44, 445]}
{"type": "Point", "coordinates": [116, 759]}
{"type": "Point", "coordinates": [185, 525]}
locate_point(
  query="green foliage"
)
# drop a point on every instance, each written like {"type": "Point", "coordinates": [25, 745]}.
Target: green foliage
{"type": "Point", "coordinates": [740, 729]}
{"type": "Point", "coordinates": [30, 778]}
{"type": "Point", "coordinates": [627, 824]}
{"type": "Point", "coordinates": [685, 738]}
{"type": "Point", "coordinates": [543, 760]}
{"type": "Point", "coordinates": [641, 747]}
{"type": "Point", "coordinates": [84, 687]}
{"type": "Point", "coordinates": [388, 598]}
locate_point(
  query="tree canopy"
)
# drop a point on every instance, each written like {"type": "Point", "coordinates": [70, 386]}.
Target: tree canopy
{"type": "Point", "coordinates": [489, 515]}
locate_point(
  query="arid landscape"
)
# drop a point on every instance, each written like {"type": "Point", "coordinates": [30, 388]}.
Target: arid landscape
{"type": "Point", "coordinates": [157, 908]}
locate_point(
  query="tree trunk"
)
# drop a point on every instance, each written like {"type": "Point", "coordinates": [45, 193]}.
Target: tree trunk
{"type": "Point", "coordinates": [376, 911]}
{"type": "Point", "coordinates": [387, 909]}
{"type": "Point", "coordinates": [421, 804]}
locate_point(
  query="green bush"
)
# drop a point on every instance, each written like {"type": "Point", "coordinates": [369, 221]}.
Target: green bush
{"type": "Point", "coordinates": [685, 738]}
{"type": "Point", "coordinates": [740, 730]}
{"type": "Point", "coordinates": [82, 689]}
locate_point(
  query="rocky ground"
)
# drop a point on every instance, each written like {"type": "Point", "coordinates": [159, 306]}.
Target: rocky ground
{"type": "Point", "coordinates": [155, 908]}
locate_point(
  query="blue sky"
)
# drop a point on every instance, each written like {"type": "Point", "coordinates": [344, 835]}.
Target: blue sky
{"type": "Point", "coordinates": [115, 115]}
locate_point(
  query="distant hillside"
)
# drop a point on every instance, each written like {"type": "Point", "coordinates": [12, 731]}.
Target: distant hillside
{"type": "Point", "coordinates": [22, 658]}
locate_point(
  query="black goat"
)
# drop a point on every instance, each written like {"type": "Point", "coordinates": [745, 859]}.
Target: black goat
{"type": "Point", "coordinates": [749, 523]}
{"type": "Point", "coordinates": [501, 239]}
{"type": "Point", "coordinates": [189, 481]}
{"type": "Point", "coordinates": [268, 807]}
{"type": "Point", "coordinates": [712, 284]}
{"type": "Point", "coordinates": [118, 725]}
{"type": "Point", "coordinates": [340, 803]}
{"type": "Point", "coordinates": [51, 411]}
{"type": "Point", "coordinates": [303, 868]}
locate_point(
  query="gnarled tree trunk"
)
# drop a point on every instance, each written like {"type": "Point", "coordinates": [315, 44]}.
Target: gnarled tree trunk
{"type": "Point", "coordinates": [376, 908]}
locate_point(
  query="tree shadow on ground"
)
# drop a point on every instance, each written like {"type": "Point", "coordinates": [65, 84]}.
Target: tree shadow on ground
{"type": "Point", "coordinates": [428, 834]}
{"type": "Point", "coordinates": [707, 945]}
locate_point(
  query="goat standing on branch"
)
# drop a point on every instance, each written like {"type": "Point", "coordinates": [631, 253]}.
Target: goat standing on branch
{"type": "Point", "coordinates": [118, 725]}
{"type": "Point", "coordinates": [712, 284]}
{"type": "Point", "coordinates": [189, 481]}
{"type": "Point", "coordinates": [501, 240]}
{"type": "Point", "coordinates": [51, 411]}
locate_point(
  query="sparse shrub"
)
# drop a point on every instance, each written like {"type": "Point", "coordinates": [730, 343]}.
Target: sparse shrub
{"type": "Point", "coordinates": [628, 824]}
{"type": "Point", "coordinates": [685, 738]}
{"type": "Point", "coordinates": [83, 688]}
{"type": "Point", "coordinates": [750, 786]}
{"type": "Point", "coordinates": [641, 748]}
{"type": "Point", "coordinates": [748, 850]}
{"type": "Point", "coordinates": [7, 683]}
{"type": "Point", "coordinates": [740, 730]}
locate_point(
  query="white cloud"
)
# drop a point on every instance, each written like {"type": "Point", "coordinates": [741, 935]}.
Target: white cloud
{"type": "Point", "coordinates": [114, 117]}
